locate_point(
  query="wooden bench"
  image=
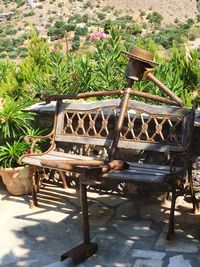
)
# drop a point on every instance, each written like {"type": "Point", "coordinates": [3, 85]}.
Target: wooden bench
{"type": "Point", "coordinates": [114, 125]}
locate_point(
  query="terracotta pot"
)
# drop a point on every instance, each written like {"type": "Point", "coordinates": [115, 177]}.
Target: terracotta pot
{"type": "Point", "coordinates": [18, 180]}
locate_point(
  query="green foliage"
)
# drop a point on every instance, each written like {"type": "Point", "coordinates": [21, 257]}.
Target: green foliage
{"type": "Point", "coordinates": [180, 74]}
{"type": "Point", "coordinates": [29, 14]}
{"type": "Point", "coordinates": [135, 28]}
{"type": "Point", "coordinates": [11, 152]}
{"type": "Point", "coordinates": [3, 55]}
{"type": "Point", "coordinates": [77, 18]}
{"type": "Point", "coordinates": [109, 62]}
{"type": "Point", "coordinates": [38, 50]}
{"type": "Point", "coordinates": [20, 2]}
{"type": "Point", "coordinates": [75, 42]}
{"type": "Point", "coordinates": [59, 28]}
{"type": "Point", "coordinates": [82, 31]}
{"type": "Point", "coordinates": [56, 79]}
{"type": "Point", "coordinates": [13, 122]}
{"type": "Point", "coordinates": [155, 17]}
{"type": "Point", "coordinates": [70, 27]}
{"type": "Point", "coordinates": [169, 36]}
{"type": "Point", "coordinates": [12, 55]}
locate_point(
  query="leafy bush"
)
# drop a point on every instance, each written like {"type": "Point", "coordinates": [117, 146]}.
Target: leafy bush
{"type": "Point", "coordinates": [75, 42]}
{"type": "Point", "coordinates": [23, 54]}
{"type": "Point", "coordinates": [59, 28]}
{"type": "Point", "coordinates": [12, 55]}
{"type": "Point", "coordinates": [9, 49]}
{"type": "Point", "coordinates": [81, 31]}
{"type": "Point", "coordinates": [29, 14]}
{"type": "Point", "coordinates": [20, 2]}
{"type": "Point", "coordinates": [3, 55]}
{"type": "Point", "coordinates": [11, 152]}
{"type": "Point", "coordinates": [13, 122]}
{"type": "Point", "coordinates": [10, 31]}
{"type": "Point", "coordinates": [155, 17]}
{"type": "Point", "coordinates": [166, 37]}
{"type": "Point", "coordinates": [70, 27]}
{"type": "Point", "coordinates": [101, 15]}
{"type": "Point", "coordinates": [135, 29]}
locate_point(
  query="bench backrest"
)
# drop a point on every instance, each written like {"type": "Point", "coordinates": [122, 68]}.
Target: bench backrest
{"type": "Point", "coordinates": [145, 127]}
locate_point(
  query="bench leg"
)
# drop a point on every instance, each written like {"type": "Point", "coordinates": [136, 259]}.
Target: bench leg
{"type": "Point", "coordinates": [63, 178]}
{"type": "Point", "coordinates": [87, 248]}
{"type": "Point", "coordinates": [35, 188]}
{"type": "Point", "coordinates": [171, 218]}
{"type": "Point", "coordinates": [192, 193]}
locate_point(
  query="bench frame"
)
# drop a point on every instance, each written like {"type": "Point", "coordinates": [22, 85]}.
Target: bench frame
{"type": "Point", "coordinates": [116, 124]}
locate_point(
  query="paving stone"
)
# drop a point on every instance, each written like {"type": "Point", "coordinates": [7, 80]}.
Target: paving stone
{"type": "Point", "coordinates": [65, 263]}
{"type": "Point", "coordinates": [51, 215]}
{"type": "Point", "coordinates": [99, 214]}
{"type": "Point", "coordinates": [178, 261]}
{"type": "Point", "coordinates": [155, 211]}
{"type": "Point", "coordinates": [111, 200]}
{"type": "Point", "coordinates": [22, 263]}
{"type": "Point", "coordinates": [180, 243]}
{"type": "Point", "coordinates": [133, 229]}
{"type": "Point", "coordinates": [150, 254]}
{"type": "Point", "coordinates": [125, 210]}
{"type": "Point", "coordinates": [111, 249]}
{"type": "Point", "coordinates": [148, 263]}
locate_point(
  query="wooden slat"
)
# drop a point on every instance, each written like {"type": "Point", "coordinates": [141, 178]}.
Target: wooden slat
{"type": "Point", "coordinates": [84, 140]}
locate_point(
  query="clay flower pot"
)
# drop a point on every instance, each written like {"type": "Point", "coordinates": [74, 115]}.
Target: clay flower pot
{"type": "Point", "coordinates": [18, 180]}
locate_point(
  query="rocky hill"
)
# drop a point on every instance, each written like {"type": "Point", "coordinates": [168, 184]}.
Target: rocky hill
{"type": "Point", "coordinates": [46, 12]}
{"type": "Point", "coordinates": [146, 16]}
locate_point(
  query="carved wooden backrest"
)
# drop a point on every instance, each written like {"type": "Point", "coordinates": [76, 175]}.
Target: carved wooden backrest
{"type": "Point", "coordinates": [157, 128]}
{"type": "Point", "coordinates": [145, 127]}
{"type": "Point", "coordinates": [87, 123]}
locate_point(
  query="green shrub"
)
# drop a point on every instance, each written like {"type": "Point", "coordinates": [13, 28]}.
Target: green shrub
{"type": "Point", "coordinates": [75, 42]}
{"type": "Point", "coordinates": [23, 54]}
{"type": "Point", "coordinates": [20, 2]}
{"type": "Point", "coordinates": [12, 55]}
{"type": "Point", "coordinates": [29, 14]}
{"type": "Point", "coordinates": [9, 48]}
{"type": "Point", "coordinates": [135, 29]}
{"type": "Point", "coordinates": [10, 31]}
{"type": "Point", "coordinates": [142, 13]}
{"type": "Point", "coordinates": [60, 4]}
{"type": "Point", "coordinates": [3, 55]}
{"type": "Point", "coordinates": [166, 37]}
{"type": "Point", "coordinates": [101, 16]}
{"type": "Point", "coordinates": [70, 27]}
{"type": "Point", "coordinates": [88, 4]}
{"type": "Point", "coordinates": [81, 31]}
{"type": "Point", "coordinates": [155, 17]}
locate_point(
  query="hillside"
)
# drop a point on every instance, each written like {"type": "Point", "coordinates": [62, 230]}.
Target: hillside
{"type": "Point", "coordinates": [48, 11]}
{"type": "Point", "coordinates": [134, 16]}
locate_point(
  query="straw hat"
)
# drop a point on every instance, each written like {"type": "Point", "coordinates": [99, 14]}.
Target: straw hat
{"type": "Point", "coordinates": [141, 55]}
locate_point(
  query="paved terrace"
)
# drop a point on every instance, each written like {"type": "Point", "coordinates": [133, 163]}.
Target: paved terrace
{"type": "Point", "coordinates": [129, 232]}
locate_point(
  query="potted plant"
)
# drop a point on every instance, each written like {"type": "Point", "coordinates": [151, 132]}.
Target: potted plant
{"type": "Point", "coordinates": [14, 125]}
{"type": "Point", "coordinates": [18, 179]}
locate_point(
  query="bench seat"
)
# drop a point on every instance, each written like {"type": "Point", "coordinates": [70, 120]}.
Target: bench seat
{"type": "Point", "coordinates": [143, 173]}
{"type": "Point", "coordinates": [137, 172]}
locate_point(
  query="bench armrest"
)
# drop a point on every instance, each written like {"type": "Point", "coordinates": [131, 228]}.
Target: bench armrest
{"type": "Point", "coordinates": [34, 140]}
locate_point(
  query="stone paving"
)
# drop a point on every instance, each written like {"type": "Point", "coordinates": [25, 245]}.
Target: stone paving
{"type": "Point", "coordinates": [129, 232]}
